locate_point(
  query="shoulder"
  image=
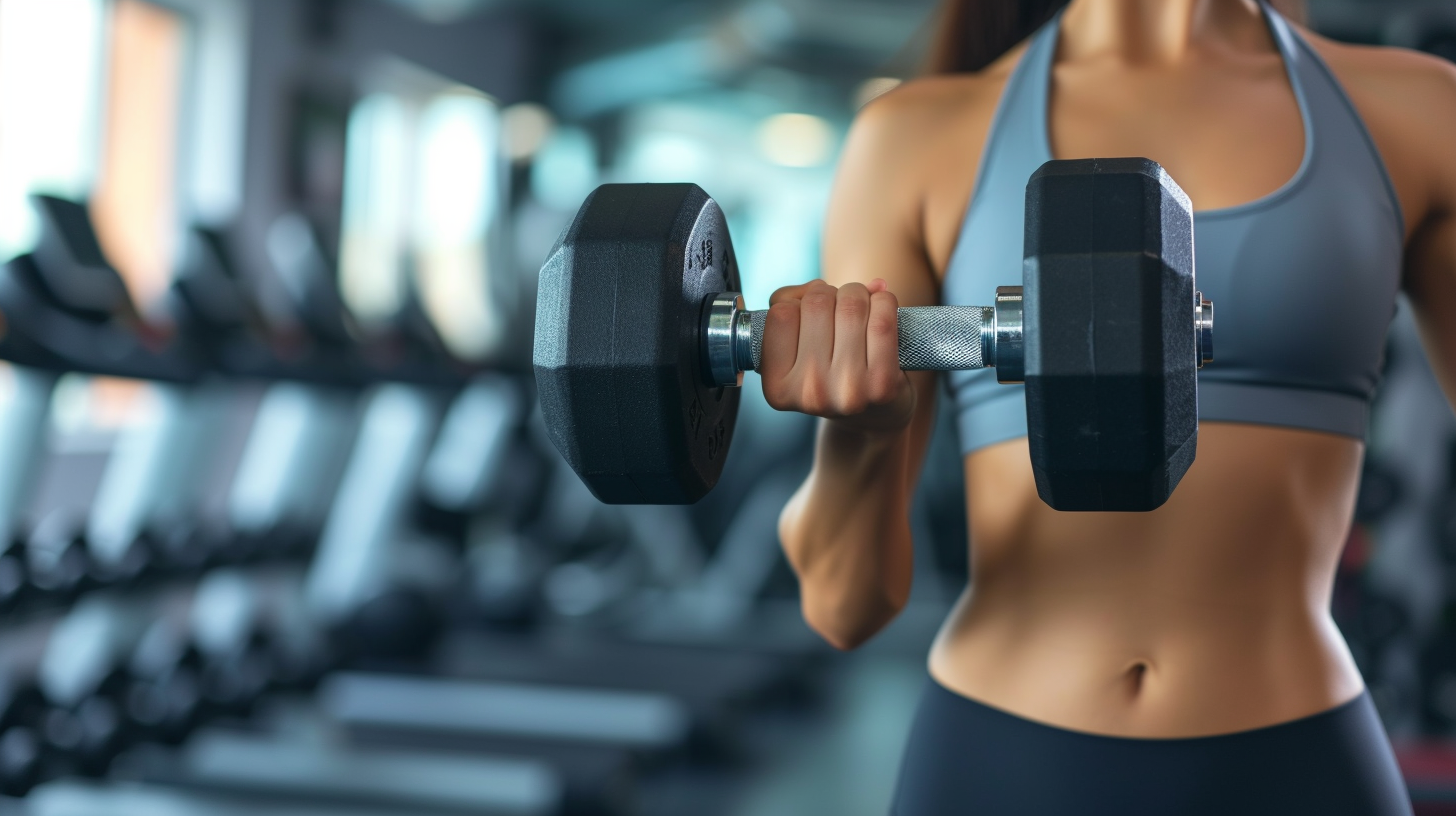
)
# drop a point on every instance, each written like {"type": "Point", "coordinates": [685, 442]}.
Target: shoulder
{"type": "Point", "coordinates": [924, 119]}
{"type": "Point", "coordinates": [910, 160]}
{"type": "Point", "coordinates": [1406, 77]}
{"type": "Point", "coordinates": [1408, 102]}
{"type": "Point", "coordinates": [1406, 86]}
{"type": "Point", "coordinates": [925, 108]}
{"type": "Point", "coordinates": [941, 98]}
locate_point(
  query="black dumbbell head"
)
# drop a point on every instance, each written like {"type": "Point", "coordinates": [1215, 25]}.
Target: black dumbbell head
{"type": "Point", "coordinates": [58, 567]}
{"type": "Point", "coordinates": [14, 579]}
{"type": "Point", "coordinates": [21, 702]}
{"type": "Point", "coordinates": [618, 343]}
{"type": "Point", "coordinates": [166, 708]}
{"type": "Point", "coordinates": [1111, 371]}
{"type": "Point", "coordinates": [20, 760]}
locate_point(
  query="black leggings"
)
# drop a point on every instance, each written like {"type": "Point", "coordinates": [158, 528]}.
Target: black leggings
{"type": "Point", "coordinates": [968, 759]}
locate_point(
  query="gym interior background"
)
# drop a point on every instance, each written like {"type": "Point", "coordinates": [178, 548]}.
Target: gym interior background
{"type": "Point", "coordinates": [351, 575]}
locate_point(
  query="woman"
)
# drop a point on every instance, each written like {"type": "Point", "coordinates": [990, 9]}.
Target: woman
{"type": "Point", "coordinates": [1178, 661]}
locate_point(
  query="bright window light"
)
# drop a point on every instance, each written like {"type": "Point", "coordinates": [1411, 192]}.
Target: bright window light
{"type": "Point", "coordinates": [458, 145]}
{"type": "Point", "coordinates": [376, 184]}
{"type": "Point", "coordinates": [134, 199]}
{"type": "Point", "coordinates": [457, 198]}
{"type": "Point", "coordinates": [50, 100]}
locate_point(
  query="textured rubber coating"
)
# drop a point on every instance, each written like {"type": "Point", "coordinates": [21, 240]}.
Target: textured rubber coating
{"type": "Point", "coordinates": [618, 343]}
{"type": "Point", "coordinates": [932, 338]}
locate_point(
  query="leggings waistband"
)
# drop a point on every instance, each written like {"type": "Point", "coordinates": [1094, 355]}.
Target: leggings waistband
{"type": "Point", "coordinates": [967, 758]}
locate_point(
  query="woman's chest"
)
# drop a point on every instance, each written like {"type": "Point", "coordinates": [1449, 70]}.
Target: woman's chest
{"type": "Point", "coordinates": [1228, 134]}
{"type": "Point", "coordinates": [1297, 237]}
{"type": "Point", "coordinates": [1227, 140]}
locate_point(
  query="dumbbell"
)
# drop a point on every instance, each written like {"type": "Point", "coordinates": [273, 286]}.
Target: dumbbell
{"type": "Point", "coordinates": [14, 576]}
{"type": "Point", "coordinates": [58, 679]}
{"type": "Point", "coordinates": [641, 336]}
{"type": "Point", "coordinates": [214, 652]}
{"type": "Point", "coordinates": [161, 667]}
{"type": "Point", "coordinates": [22, 707]}
{"type": "Point", "coordinates": [58, 566]}
{"type": "Point", "coordinates": [78, 691]}
{"type": "Point", "coordinates": [59, 563]}
{"type": "Point", "coordinates": [162, 700]}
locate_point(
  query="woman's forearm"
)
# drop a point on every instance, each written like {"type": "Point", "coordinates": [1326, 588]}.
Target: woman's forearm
{"type": "Point", "coordinates": [846, 533]}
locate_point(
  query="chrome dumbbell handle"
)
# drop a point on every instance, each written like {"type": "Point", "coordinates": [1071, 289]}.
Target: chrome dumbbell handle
{"type": "Point", "coordinates": [932, 338]}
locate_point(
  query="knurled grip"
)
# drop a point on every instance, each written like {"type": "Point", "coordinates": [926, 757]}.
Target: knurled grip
{"type": "Point", "coordinates": [932, 338]}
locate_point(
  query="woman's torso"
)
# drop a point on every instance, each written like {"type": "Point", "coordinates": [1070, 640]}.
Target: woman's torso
{"type": "Point", "coordinates": [1211, 614]}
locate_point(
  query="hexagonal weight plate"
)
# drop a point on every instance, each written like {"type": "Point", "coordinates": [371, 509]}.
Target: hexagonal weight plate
{"type": "Point", "coordinates": [618, 343]}
{"type": "Point", "coordinates": [1111, 374]}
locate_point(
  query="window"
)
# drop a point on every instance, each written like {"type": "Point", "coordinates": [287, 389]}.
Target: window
{"type": "Point", "coordinates": [51, 74]}
{"type": "Point", "coordinates": [134, 202]}
{"type": "Point", "coordinates": [376, 181]}
{"type": "Point", "coordinates": [457, 198]}
{"type": "Point", "coordinates": [422, 194]}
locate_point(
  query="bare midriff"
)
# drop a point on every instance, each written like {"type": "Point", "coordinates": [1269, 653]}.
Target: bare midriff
{"type": "Point", "coordinates": [1209, 615]}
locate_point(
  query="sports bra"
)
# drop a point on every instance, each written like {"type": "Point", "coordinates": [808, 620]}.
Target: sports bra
{"type": "Point", "coordinates": [1303, 280]}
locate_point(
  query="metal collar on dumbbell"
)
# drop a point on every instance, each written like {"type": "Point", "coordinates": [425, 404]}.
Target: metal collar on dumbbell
{"type": "Point", "coordinates": [1203, 321]}
{"type": "Point", "coordinates": [1003, 341]}
{"type": "Point", "coordinates": [726, 363]}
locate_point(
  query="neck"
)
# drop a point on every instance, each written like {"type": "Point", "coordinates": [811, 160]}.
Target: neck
{"type": "Point", "coordinates": [1160, 31]}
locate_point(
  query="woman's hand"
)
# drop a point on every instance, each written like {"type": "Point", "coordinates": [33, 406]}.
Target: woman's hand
{"type": "Point", "coordinates": [834, 353]}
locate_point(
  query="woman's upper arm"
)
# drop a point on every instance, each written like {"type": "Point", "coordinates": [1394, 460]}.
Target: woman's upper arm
{"type": "Point", "coordinates": [1431, 285]}
{"type": "Point", "coordinates": [874, 226]}
{"type": "Point", "coordinates": [1430, 265]}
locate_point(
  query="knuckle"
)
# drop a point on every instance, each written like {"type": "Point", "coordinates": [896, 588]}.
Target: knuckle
{"type": "Point", "coordinates": [776, 396]}
{"type": "Point", "coordinates": [850, 402]}
{"type": "Point", "coordinates": [783, 393]}
{"type": "Point", "coordinates": [882, 325]}
{"type": "Point", "coordinates": [813, 398]}
{"type": "Point", "coordinates": [819, 300]}
{"type": "Point", "coordinates": [853, 307]}
{"type": "Point", "coordinates": [784, 319]}
{"type": "Point", "coordinates": [789, 294]}
{"type": "Point", "coordinates": [784, 310]}
{"type": "Point", "coordinates": [782, 295]}
{"type": "Point", "coordinates": [883, 389]}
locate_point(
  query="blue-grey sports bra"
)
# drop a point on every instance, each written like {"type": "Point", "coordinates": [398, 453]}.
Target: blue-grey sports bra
{"type": "Point", "coordinates": [1303, 280]}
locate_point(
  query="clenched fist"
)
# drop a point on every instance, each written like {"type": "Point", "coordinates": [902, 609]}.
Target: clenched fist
{"type": "Point", "coordinates": [834, 353]}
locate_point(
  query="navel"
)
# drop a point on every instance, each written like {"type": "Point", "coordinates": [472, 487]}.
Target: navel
{"type": "Point", "coordinates": [1135, 676]}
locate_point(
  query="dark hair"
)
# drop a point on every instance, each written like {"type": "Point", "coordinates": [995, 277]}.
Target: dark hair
{"type": "Point", "coordinates": [972, 34]}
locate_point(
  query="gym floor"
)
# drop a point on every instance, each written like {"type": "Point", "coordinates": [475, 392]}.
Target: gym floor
{"type": "Point", "coordinates": [281, 523]}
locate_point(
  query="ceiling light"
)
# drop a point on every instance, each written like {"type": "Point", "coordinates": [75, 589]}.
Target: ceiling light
{"type": "Point", "coordinates": [795, 140]}
{"type": "Point", "coordinates": [525, 127]}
